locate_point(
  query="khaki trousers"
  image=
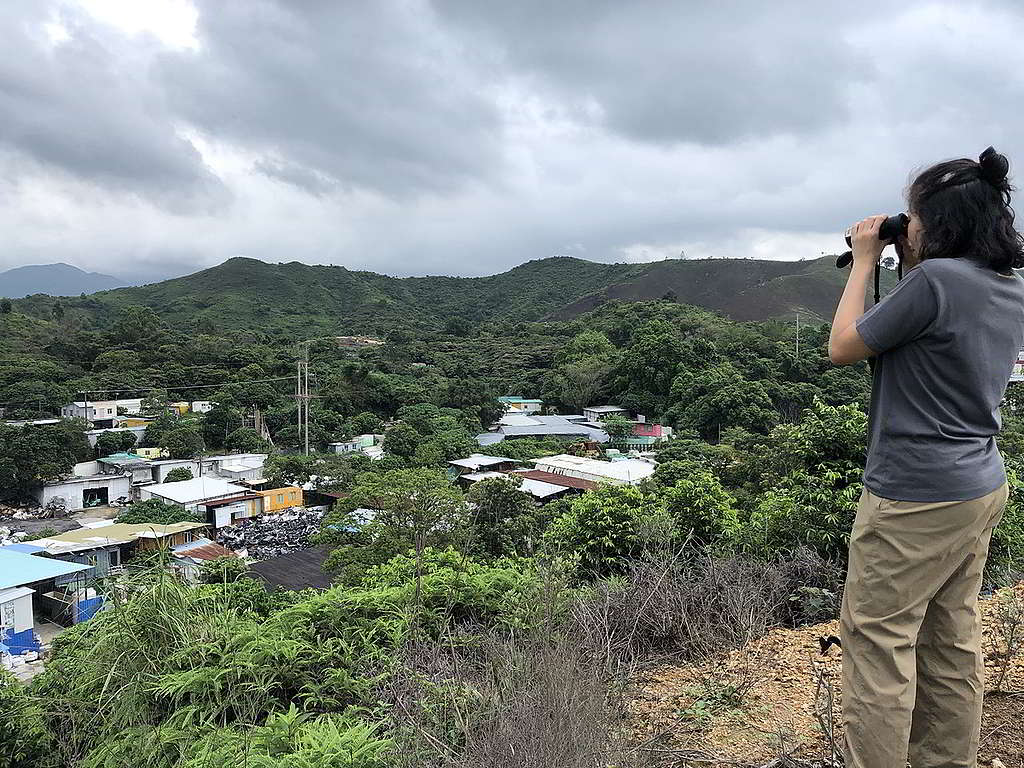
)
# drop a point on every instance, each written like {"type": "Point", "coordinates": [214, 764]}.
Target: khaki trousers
{"type": "Point", "coordinates": [912, 665]}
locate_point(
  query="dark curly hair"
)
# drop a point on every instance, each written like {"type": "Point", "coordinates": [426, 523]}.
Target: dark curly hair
{"type": "Point", "coordinates": [964, 208]}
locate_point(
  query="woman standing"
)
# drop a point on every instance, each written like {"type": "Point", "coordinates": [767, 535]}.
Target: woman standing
{"type": "Point", "coordinates": [944, 342]}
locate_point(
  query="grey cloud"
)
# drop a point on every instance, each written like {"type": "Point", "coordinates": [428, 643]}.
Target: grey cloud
{"type": "Point", "coordinates": [308, 179]}
{"type": "Point", "coordinates": [371, 95]}
{"type": "Point", "coordinates": [85, 108]}
{"type": "Point", "coordinates": [712, 73]}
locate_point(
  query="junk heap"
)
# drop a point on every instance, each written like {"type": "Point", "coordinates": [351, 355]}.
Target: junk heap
{"type": "Point", "coordinates": [272, 535]}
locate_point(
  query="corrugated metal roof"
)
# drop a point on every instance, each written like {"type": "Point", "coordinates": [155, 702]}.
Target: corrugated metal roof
{"type": "Point", "coordinates": [563, 481]}
{"type": "Point", "coordinates": [18, 569]}
{"type": "Point", "coordinates": [202, 549]}
{"type": "Point", "coordinates": [110, 535]}
{"type": "Point", "coordinates": [477, 460]}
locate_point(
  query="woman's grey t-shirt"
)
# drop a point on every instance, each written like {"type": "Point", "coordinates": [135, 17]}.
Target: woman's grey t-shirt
{"type": "Point", "coordinates": [946, 339]}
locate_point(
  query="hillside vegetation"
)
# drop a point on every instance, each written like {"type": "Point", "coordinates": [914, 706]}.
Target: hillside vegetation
{"type": "Point", "coordinates": [315, 300]}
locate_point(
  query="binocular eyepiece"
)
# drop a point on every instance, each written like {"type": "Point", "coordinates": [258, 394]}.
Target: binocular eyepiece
{"type": "Point", "coordinates": [892, 228]}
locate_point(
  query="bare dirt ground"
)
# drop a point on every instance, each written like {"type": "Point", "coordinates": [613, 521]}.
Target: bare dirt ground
{"type": "Point", "coordinates": [780, 707]}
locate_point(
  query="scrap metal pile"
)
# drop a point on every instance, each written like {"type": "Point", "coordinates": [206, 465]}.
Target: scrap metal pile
{"type": "Point", "coordinates": [272, 535]}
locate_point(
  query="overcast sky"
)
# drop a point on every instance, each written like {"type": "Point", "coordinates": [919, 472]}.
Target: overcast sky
{"type": "Point", "coordinates": [150, 138]}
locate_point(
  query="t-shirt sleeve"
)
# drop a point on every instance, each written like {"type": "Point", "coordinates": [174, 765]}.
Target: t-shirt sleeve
{"type": "Point", "coordinates": [902, 315]}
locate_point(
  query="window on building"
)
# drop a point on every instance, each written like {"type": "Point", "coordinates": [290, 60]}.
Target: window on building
{"type": "Point", "coordinates": [280, 498]}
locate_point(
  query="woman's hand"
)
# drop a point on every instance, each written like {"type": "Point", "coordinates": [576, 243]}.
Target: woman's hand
{"type": "Point", "coordinates": [865, 243]}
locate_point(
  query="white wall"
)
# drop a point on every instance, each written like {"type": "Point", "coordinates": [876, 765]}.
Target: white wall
{"type": "Point", "coordinates": [161, 470]}
{"type": "Point", "coordinates": [19, 608]}
{"type": "Point", "coordinates": [73, 492]}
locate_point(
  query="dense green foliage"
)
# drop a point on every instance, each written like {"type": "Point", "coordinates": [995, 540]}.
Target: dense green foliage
{"type": "Point", "coordinates": [30, 455]}
{"type": "Point", "coordinates": [157, 512]}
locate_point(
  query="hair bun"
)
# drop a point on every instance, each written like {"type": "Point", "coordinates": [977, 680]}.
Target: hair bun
{"type": "Point", "coordinates": [994, 167]}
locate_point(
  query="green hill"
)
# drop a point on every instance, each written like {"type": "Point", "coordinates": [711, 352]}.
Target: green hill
{"type": "Point", "coordinates": [309, 299]}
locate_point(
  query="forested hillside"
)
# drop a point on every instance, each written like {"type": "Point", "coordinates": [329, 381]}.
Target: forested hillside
{"type": "Point", "coordinates": [314, 300]}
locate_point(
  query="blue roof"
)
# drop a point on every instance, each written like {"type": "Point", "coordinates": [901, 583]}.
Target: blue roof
{"type": "Point", "coordinates": [17, 568]}
{"type": "Point", "coordinates": [28, 549]}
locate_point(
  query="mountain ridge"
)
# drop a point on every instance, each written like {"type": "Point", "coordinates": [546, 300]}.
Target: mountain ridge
{"type": "Point", "coordinates": [315, 299]}
{"type": "Point", "coordinates": [58, 279]}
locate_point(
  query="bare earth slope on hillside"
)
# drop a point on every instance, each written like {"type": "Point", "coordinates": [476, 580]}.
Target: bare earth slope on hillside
{"type": "Point", "coordinates": [674, 713]}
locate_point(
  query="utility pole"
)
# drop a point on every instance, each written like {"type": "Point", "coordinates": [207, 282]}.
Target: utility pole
{"type": "Point", "coordinates": [302, 397]}
{"type": "Point", "coordinates": [305, 394]}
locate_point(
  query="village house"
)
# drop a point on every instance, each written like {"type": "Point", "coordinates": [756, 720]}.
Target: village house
{"type": "Point", "coordinates": [357, 444]}
{"type": "Point", "coordinates": [84, 492]}
{"type": "Point", "coordinates": [476, 462]}
{"type": "Point", "coordinates": [105, 546]}
{"type": "Point", "coordinates": [187, 559]}
{"type": "Point", "coordinates": [523, 405]}
{"type": "Point", "coordinates": [513, 425]}
{"type": "Point", "coordinates": [32, 586]}
{"type": "Point", "coordinates": [192, 494]}
{"type": "Point", "coordinates": [623, 472]}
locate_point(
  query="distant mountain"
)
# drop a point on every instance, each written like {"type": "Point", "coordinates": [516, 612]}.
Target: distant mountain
{"type": "Point", "coordinates": [54, 280]}
{"type": "Point", "coordinates": [308, 300]}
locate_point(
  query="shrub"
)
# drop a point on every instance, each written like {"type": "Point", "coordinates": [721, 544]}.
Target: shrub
{"type": "Point", "coordinates": [157, 512]}
{"type": "Point", "coordinates": [178, 474]}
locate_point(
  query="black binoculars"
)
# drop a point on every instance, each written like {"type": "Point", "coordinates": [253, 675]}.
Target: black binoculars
{"type": "Point", "coordinates": [892, 228]}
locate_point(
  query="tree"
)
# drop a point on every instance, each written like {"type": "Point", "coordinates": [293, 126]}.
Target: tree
{"type": "Point", "coordinates": [34, 454]}
{"type": "Point", "coordinates": [157, 512]}
{"type": "Point", "coordinates": [618, 428]}
{"type": "Point", "coordinates": [178, 474]}
{"type": "Point", "coordinates": [111, 442]}
{"type": "Point", "coordinates": [136, 326]}
{"type": "Point", "coordinates": [157, 429]}
{"type": "Point", "coordinates": [366, 423]}
{"type": "Point", "coordinates": [221, 570]}
{"type": "Point", "coordinates": [5, 307]}
{"type": "Point", "coordinates": [503, 517]}
{"type": "Point", "coordinates": [700, 507]}
{"type": "Point", "coordinates": [183, 442]}
{"type": "Point", "coordinates": [607, 527]}
{"type": "Point", "coordinates": [417, 507]}
{"type": "Point", "coordinates": [246, 440]}
{"type": "Point", "coordinates": [401, 440]}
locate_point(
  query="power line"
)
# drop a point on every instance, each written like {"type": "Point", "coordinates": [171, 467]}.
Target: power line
{"type": "Point", "coordinates": [118, 390]}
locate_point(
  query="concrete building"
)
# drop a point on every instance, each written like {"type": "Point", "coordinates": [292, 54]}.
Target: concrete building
{"type": "Point", "coordinates": [235, 466]}
{"type": "Point", "coordinates": [602, 412]}
{"type": "Point", "coordinates": [359, 443]}
{"type": "Point", "coordinates": [201, 406]}
{"type": "Point", "coordinates": [521, 404]}
{"type": "Point", "coordinates": [623, 472]}
{"type": "Point", "coordinates": [163, 467]}
{"type": "Point", "coordinates": [80, 493]}
{"type": "Point", "coordinates": [137, 467]}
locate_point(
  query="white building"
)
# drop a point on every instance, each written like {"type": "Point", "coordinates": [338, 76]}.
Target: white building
{"type": "Point", "coordinates": [235, 466]}
{"type": "Point", "coordinates": [201, 406]}
{"type": "Point", "coordinates": [93, 410]}
{"type": "Point", "coordinates": [624, 472]}
{"type": "Point", "coordinates": [192, 494]}
{"type": "Point", "coordinates": [601, 412]}
{"type": "Point", "coordinates": [163, 467]}
{"type": "Point", "coordinates": [80, 493]}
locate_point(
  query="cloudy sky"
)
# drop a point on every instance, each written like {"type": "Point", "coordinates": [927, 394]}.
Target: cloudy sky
{"type": "Point", "coordinates": [149, 138]}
